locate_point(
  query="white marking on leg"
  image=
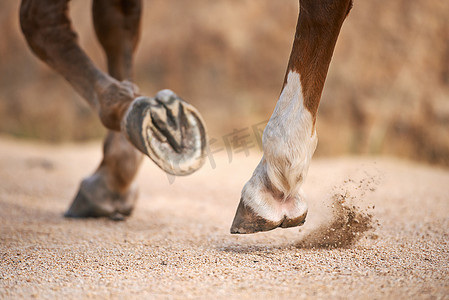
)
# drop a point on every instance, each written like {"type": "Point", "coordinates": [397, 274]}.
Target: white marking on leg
{"type": "Point", "coordinates": [289, 141]}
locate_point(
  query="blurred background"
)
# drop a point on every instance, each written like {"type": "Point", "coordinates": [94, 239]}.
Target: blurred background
{"type": "Point", "coordinates": [387, 90]}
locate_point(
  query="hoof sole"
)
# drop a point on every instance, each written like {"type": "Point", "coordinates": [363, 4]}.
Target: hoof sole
{"type": "Point", "coordinates": [169, 130]}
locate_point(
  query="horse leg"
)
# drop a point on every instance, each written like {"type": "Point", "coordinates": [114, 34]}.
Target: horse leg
{"type": "Point", "coordinates": [110, 190]}
{"type": "Point", "coordinates": [273, 196]}
{"type": "Point", "coordinates": [166, 128]}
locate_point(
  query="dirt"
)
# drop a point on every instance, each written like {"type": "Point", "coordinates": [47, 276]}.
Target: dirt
{"type": "Point", "coordinates": [377, 229]}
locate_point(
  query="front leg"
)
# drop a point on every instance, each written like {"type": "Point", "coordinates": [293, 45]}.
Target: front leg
{"type": "Point", "coordinates": [273, 197]}
{"type": "Point", "coordinates": [48, 31]}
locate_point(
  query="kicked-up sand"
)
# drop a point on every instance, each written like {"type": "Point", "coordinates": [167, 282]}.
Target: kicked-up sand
{"type": "Point", "coordinates": [377, 228]}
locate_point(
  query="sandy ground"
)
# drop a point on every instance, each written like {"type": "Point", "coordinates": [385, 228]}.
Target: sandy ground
{"type": "Point", "coordinates": [177, 242]}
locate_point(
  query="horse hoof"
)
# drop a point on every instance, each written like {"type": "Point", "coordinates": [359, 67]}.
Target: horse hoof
{"type": "Point", "coordinates": [94, 200]}
{"type": "Point", "coordinates": [246, 219]}
{"type": "Point", "coordinates": [169, 130]}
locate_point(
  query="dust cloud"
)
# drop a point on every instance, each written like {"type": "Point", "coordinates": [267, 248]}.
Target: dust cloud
{"type": "Point", "coordinates": [346, 223]}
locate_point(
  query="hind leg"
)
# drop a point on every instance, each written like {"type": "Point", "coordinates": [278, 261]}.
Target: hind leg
{"type": "Point", "coordinates": [111, 191]}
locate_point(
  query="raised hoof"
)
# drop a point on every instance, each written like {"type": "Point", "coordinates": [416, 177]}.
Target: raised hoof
{"type": "Point", "coordinates": [95, 200]}
{"type": "Point", "coordinates": [169, 130]}
{"type": "Point", "coordinates": [247, 221]}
